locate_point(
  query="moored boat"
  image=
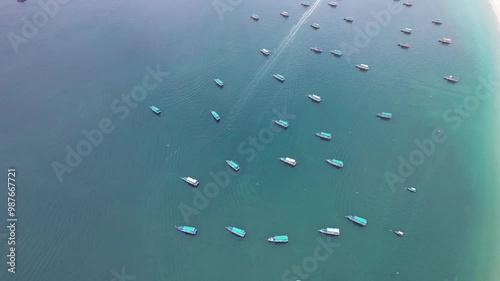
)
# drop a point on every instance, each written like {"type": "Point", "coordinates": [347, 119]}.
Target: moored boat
{"type": "Point", "coordinates": [285, 14]}
{"type": "Point", "coordinates": [315, 98]}
{"type": "Point", "coordinates": [411, 189]}
{"type": "Point", "coordinates": [384, 115]}
{"type": "Point", "coordinates": [406, 30]}
{"type": "Point", "coordinates": [279, 77]}
{"type": "Point", "coordinates": [408, 4]}
{"type": "Point", "coordinates": [451, 78]}
{"type": "Point", "coordinates": [332, 4]}
{"type": "Point", "coordinates": [324, 135]}
{"type": "Point", "coordinates": [399, 233]}
{"type": "Point", "coordinates": [255, 17]}
{"type": "Point", "coordinates": [278, 239]}
{"type": "Point", "coordinates": [305, 4]}
{"type": "Point", "coordinates": [187, 229]}
{"type": "Point", "coordinates": [215, 115]}
{"type": "Point", "coordinates": [281, 123]}
{"type": "Point", "coordinates": [288, 161]}
{"type": "Point", "coordinates": [445, 40]}
{"type": "Point", "coordinates": [265, 52]}
{"type": "Point", "coordinates": [348, 19]}
{"type": "Point", "coordinates": [233, 165]}
{"type": "Point", "coordinates": [316, 49]}
{"type": "Point", "coordinates": [219, 82]}
{"type": "Point", "coordinates": [236, 231]}
{"type": "Point", "coordinates": [191, 181]}
{"type": "Point", "coordinates": [358, 220]}
{"type": "Point", "coordinates": [404, 45]}
{"type": "Point", "coordinates": [155, 109]}
{"type": "Point", "coordinates": [335, 162]}
{"type": "Point", "coordinates": [437, 21]}
{"type": "Point", "coordinates": [362, 66]}
{"type": "Point", "coordinates": [337, 53]}
{"type": "Point", "coordinates": [315, 26]}
{"type": "Point", "coordinates": [330, 231]}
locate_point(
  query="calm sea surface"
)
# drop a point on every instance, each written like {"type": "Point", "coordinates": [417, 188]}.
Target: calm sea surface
{"type": "Point", "coordinates": [113, 210]}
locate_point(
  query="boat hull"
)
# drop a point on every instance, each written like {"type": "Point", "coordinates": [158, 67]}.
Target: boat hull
{"type": "Point", "coordinates": [279, 78]}
{"type": "Point", "coordinates": [323, 136]}
{"type": "Point", "coordinates": [272, 240]}
{"type": "Point", "coordinates": [219, 83]}
{"type": "Point", "coordinates": [190, 183]}
{"type": "Point", "coordinates": [281, 124]}
{"type": "Point", "coordinates": [331, 233]}
{"type": "Point", "coordinates": [357, 221]}
{"type": "Point", "coordinates": [231, 229]}
{"type": "Point", "coordinates": [215, 115]}
{"type": "Point", "coordinates": [335, 164]}
{"type": "Point", "coordinates": [316, 99]}
{"type": "Point", "coordinates": [283, 159]}
{"type": "Point", "coordinates": [236, 168]}
{"type": "Point", "coordinates": [184, 230]}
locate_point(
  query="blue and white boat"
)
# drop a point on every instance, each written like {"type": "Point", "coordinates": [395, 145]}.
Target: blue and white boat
{"type": "Point", "coordinates": [324, 135]}
{"type": "Point", "coordinates": [348, 19]}
{"type": "Point", "coordinates": [255, 17]}
{"type": "Point", "coordinates": [155, 109]}
{"type": "Point", "coordinates": [404, 45]}
{"type": "Point", "coordinates": [411, 189]}
{"type": "Point", "coordinates": [358, 220]}
{"type": "Point", "coordinates": [337, 53]}
{"type": "Point", "coordinates": [384, 115]}
{"type": "Point", "coordinates": [330, 231]}
{"type": "Point", "coordinates": [285, 14]}
{"type": "Point", "coordinates": [190, 181]}
{"type": "Point", "coordinates": [399, 233]}
{"type": "Point", "coordinates": [288, 161]}
{"type": "Point", "coordinates": [335, 162]}
{"type": "Point", "coordinates": [265, 51]}
{"type": "Point", "coordinates": [315, 26]}
{"type": "Point", "coordinates": [279, 77]}
{"type": "Point", "coordinates": [233, 165]}
{"type": "Point", "coordinates": [278, 239]}
{"type": "Point", "coordinates": [219, 82]}
{"type": "Point", "coordinates": [187, 229]}
{"type": "Point", "coordinates": [215, 115]}
{"type": "Point", "coordinates": [236, 231]}
{"type": "Point", "coordinates": [281, 123]}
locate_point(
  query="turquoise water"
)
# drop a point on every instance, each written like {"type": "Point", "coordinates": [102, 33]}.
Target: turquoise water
{"type": "Point", "coordinates": [118, 207]}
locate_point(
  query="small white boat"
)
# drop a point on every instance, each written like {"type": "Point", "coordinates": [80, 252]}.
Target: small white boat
{"type": "Point", "coordinates": [190, 181]}
{"type": "Point", "coordinates": [411, 189]}
{"type": "Point", "coordinates": [288, 161]}
{"type": "Point", "coordinates": [330, 231]}
{"type": "Point", "coordinates": [314, 98]}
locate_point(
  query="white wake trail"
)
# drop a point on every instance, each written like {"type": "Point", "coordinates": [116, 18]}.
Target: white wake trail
{"type": "Point", "coordinates": [285, 42]}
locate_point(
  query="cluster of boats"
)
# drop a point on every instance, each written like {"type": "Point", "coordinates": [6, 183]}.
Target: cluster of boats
{"type": "Point", "coordinates": [323, 135]}
{"type": "Point", "coordinates": [284, 238]}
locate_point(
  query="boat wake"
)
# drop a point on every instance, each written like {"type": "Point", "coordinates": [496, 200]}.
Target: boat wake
{"type": "Point", "coordinates": [284, 43]}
